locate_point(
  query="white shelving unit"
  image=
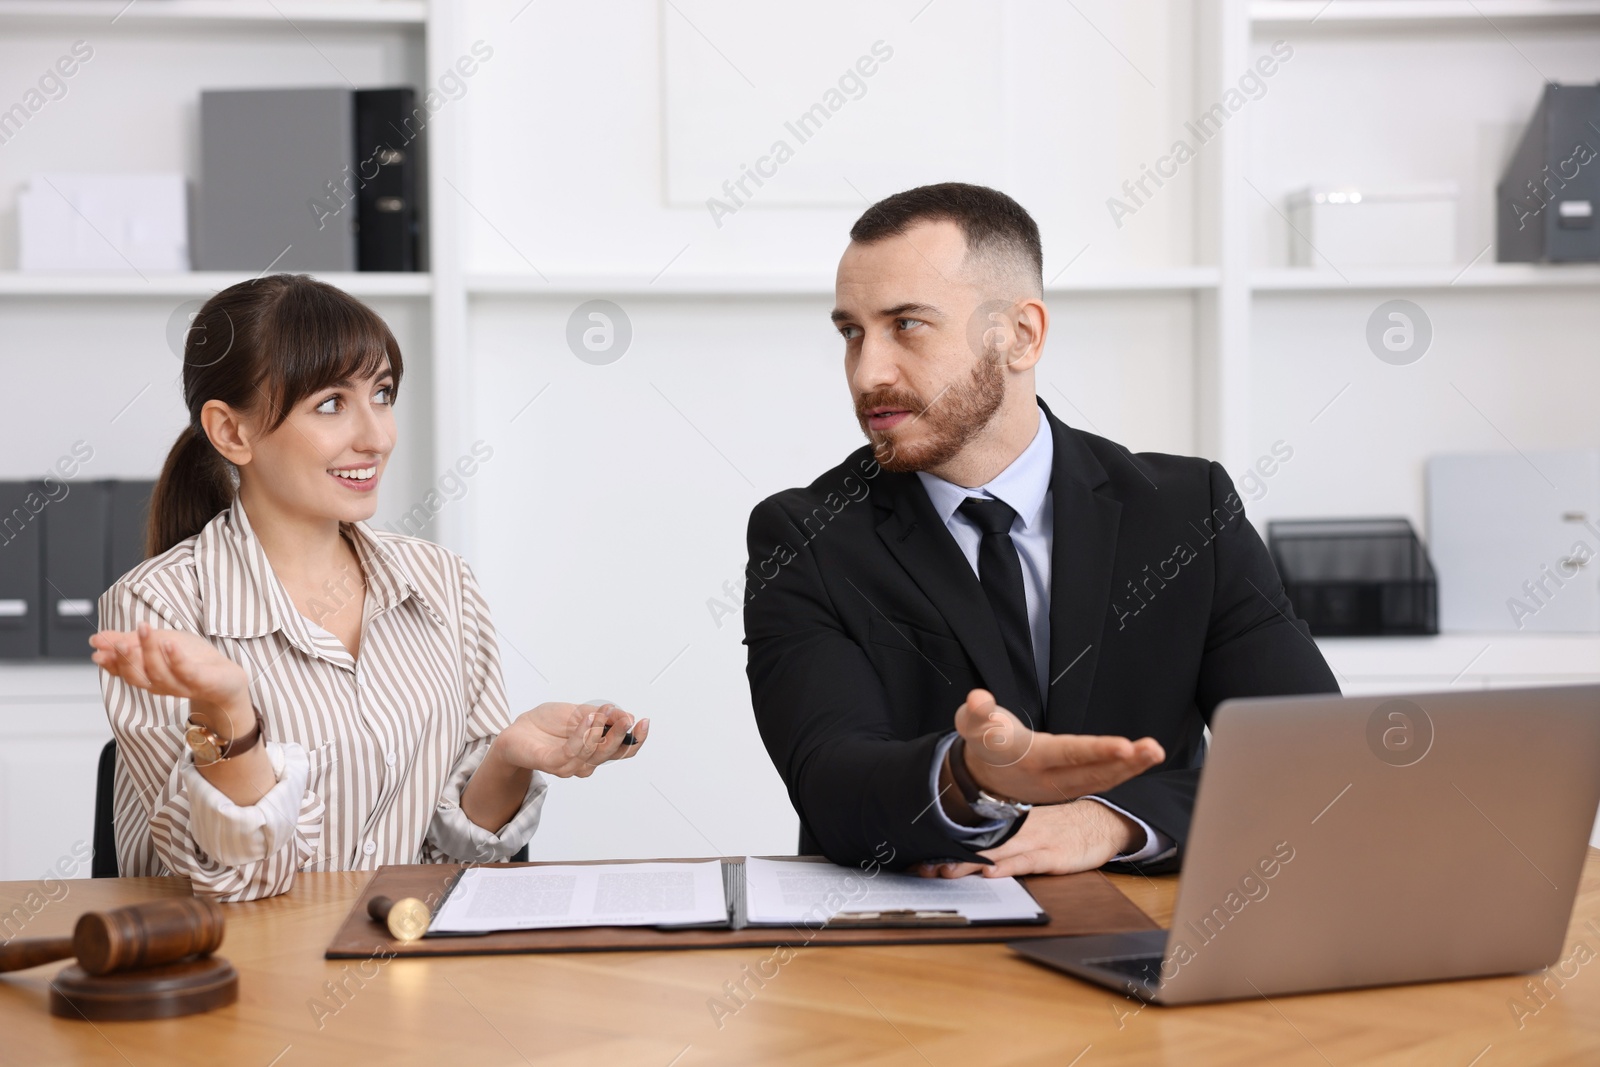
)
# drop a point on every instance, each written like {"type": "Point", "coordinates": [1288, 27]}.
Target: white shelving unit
{"type": "Point", "coordinates": [108, 328]}
{"type": "Point", "coordinates": [212, 13]}
{"type": "Point", "coordinates": [1294, 13]}
{"type": "Point", "coordinates": [1171, 280]}
{"type": "Point", "coordinates": [195, 283]}
{"type": "Point", "coordinates": [1454, 661]}
{"type": "Point", "coordinates": [1180, 330]}
{"type": "Point", "coordinates": [1520, 276]}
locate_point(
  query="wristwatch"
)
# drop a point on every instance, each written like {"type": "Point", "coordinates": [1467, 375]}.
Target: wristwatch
{"type": "Point", "coordinates": [208, 748]}
{"type": "Point", "coordinates": [980, 800]}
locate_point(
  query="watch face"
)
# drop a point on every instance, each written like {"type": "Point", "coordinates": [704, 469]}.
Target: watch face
{"type": "Point", "coordinates": [203, 743]}
{"type": "Point", "coordinates": [993, 807]}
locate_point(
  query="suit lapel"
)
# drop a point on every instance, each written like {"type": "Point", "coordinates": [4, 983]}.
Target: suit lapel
{"type": "Point", "coordinates": [919, 541]}
{"type": "Point", "coordinates": [1084, 548]}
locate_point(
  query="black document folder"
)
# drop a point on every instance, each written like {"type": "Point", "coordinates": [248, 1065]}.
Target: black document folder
{"type": "Point", "coordinates": [388, 224]}
{"type": "Point", "coordinates": [75, 529]}
{"type": "Point", "coordinates": [21, 504]}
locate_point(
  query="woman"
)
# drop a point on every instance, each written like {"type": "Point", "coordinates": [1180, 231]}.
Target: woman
{"type": "Point", "coordinates": [291, 689]}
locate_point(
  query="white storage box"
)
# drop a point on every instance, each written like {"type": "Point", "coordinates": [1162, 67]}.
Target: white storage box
{"type": "Point", "coordinates": [1372, 226]}
{"type": "Point", "coordinates": [103, 222]}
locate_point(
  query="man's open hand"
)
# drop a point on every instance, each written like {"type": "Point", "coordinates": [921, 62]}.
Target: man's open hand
{"type": "Point", "coordinates": [1010, 760]}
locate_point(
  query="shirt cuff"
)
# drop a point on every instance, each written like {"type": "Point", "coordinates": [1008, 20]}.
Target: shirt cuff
{"type": "Point", "coordinates": [458, 837]}
{"type": "Point", "coordinates": [234, 834]}
{"type": "Point", "coordinates": [1155, 844]}
{"type": "Point", "coordinates": [974, 837]}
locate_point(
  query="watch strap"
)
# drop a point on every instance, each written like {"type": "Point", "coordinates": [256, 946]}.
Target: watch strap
{"type": "Point", "coordinates": [959, 772]}
{"type": "Point", "coordinates": [235, 746]}
{"type": "Point", "coordinates": [985, 803]}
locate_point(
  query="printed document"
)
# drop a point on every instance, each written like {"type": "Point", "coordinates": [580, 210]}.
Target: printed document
{"type": "Point", "coordinates": [804, 891]}
{"type": "Point", "coordinates": [567, 895]}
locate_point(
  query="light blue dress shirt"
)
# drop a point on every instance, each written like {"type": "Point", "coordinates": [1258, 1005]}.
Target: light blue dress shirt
{"type": "Point", "coordinates": [1025, 487]}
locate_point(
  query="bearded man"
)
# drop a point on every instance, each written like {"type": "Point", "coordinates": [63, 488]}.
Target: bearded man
{"type": "Point", "coordinates": [986, 640]}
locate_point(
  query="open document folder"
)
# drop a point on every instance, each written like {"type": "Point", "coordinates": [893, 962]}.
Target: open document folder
{"type": "Point", "coordinates": [729, 894]}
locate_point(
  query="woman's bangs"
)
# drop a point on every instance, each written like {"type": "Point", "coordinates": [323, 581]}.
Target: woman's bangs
{"type": "Point", "coordinates": [324, 337]}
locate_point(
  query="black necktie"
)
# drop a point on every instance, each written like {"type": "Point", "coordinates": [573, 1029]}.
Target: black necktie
{"type": "Point", "coordinates": [1000, 574]}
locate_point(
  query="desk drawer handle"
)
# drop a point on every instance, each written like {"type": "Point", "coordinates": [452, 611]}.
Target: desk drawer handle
{"type": "Point", "coordinates": [13, 609]}
{"type": "Point", "coordinates": [75, 609]}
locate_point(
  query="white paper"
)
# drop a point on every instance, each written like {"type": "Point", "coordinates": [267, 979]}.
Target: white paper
{"type": "Point", "coordinates": [804, 891]}
{"type": "Point", "coordinates": [606, 894]}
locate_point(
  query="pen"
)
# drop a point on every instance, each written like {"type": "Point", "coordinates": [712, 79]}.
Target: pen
{"type": "Point", "coordinates": [627, 738]}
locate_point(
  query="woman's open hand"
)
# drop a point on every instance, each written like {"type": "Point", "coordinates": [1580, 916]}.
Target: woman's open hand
{"type": "Point", "coordinates": [571, 740]}
{"type": "Point", "coordinates": [176, 663]}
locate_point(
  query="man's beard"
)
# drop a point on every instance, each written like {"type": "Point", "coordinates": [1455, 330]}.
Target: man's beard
{"type": "Point", "coordinates": [949, 420]}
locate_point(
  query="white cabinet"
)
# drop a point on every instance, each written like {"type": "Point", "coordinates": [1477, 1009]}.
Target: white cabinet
{"type": "Point", "coordinates": [52, 727]}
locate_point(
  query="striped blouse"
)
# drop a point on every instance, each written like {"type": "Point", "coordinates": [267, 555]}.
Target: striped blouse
{"type": "Point", "coordinates": [371, 754]}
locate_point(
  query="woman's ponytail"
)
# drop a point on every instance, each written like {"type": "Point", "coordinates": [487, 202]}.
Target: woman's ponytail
{"type": "Point", "coordinates": [195, 485]}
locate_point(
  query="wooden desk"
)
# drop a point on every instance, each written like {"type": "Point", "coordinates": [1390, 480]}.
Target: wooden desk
{"type": "Point", "coordinates": [956, 1005]}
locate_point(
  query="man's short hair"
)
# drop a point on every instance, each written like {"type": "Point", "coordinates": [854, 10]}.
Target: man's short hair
{"type": "Point", "coordinates": [996, 227]}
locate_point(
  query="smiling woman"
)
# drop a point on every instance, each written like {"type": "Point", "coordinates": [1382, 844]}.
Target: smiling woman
{"type": "Point", "coordinates": [289, 688]}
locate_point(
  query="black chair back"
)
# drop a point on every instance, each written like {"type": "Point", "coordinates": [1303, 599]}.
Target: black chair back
{"type": "Point", "coordinates": [104, 863]}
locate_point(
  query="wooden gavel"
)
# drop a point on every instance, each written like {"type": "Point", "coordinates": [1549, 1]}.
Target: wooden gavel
{"type": "Point", "coordinates": [127, 939]}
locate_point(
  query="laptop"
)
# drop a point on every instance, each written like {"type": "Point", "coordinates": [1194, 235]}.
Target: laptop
{"type": "Point", "coordinates": [1344, 842]}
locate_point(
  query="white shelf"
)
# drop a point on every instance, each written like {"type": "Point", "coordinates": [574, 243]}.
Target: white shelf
{"type": "Point", "coordinates": [48, 681]}
{"type": "Point", "coordinates": [1173, 279]}
{"type": "Point", "coordinates": [1478, 276]}
{"type": "Point", "coordinates": [1485, 13]}
{"type": "Point", "coordinates": [200, 12]}
{"type": "Point", "coordinates": [1456, 660]}
{"type": "Point", "coordinates": [197, 283]}
{"type": "Point", "coordinates": [1162, 279]}
{"type": "Point", "coordinates": [667, 284]}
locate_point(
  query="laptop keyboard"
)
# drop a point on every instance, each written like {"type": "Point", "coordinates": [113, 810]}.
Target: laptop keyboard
{"type": "Point", "coordinates": [1146, 969]}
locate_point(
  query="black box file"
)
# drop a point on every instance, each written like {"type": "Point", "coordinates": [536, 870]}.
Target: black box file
{"type": "Point", "coordinates": [1547, 199]}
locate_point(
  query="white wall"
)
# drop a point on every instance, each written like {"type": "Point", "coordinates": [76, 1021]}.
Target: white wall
{"type": "Point", "coordinates": [570, 112]}
{"type": "Point", "coordinates": [1500, 374]}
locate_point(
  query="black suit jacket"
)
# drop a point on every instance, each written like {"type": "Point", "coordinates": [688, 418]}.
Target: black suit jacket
{"type": "Point", "coordinates": [866, 627]}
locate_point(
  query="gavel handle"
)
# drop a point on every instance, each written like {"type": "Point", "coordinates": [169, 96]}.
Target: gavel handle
{"type": "Point", "coordinates": [20, 955]}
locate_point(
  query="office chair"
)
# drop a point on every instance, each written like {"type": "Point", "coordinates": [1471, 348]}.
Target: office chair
{"type": "Point", "coordinates": [104, 863]}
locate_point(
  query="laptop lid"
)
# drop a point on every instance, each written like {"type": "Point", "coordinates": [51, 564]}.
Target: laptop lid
{"type": "Point", "coordinates": [1341, 842]}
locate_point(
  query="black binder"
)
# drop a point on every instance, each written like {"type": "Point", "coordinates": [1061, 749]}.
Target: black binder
{"type": "Point", "coordinates": [74, 567]}
{"type": "Point", "coordinates": [20, 528]}
{"type": "Point", "coordinates": [386, 152]}
{"type": "Point", "coordinates": [130, 514]}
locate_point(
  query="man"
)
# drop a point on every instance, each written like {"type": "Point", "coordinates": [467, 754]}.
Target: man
{"type": "Point", "coordinates": [981, 610]}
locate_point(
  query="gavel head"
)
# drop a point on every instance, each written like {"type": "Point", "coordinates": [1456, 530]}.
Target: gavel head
{"type": "Point", "coordinates": [146, 935]}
